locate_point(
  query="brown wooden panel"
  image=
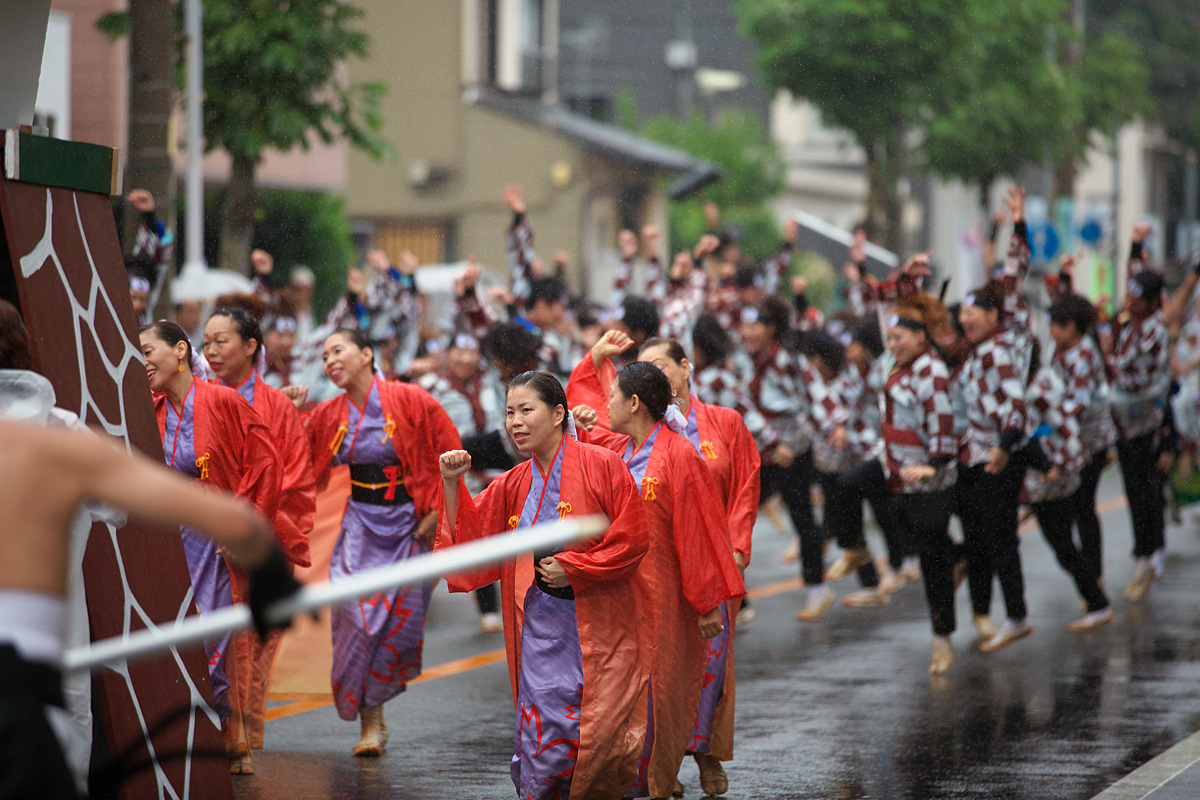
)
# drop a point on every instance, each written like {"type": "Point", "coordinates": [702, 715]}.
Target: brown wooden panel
{"type": "Point", "coordinates": [427, 240]}
{"type": "Point", "coordinates": [71, 282]}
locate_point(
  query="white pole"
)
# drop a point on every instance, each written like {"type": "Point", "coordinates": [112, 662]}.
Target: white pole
{"type": "Point", "coordinates": [194, 222]}
{"type": "Point", "coordinates": [193, 630]}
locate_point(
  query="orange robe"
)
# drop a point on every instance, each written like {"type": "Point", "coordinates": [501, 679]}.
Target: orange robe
{"type": "Point", "coordinates": [614, 605]}
{"type": "Point", "coordinates": [691, 567]}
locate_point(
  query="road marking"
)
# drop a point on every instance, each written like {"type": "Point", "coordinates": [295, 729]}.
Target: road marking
{"type": "Point", "coordinates": [298, 703]}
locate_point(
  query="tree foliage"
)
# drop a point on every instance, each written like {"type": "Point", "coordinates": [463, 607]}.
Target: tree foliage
{"type": "Point", "coordinates": [752, 173]}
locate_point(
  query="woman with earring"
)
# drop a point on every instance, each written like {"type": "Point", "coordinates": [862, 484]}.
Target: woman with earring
{"type": "Point", "coordinates": [210, 433]}
{"type": "Point", "coordinates": [691, 558]}
{"type": "Point", "coordinates": [390, 434]}
{"type": "Point", "coordinates": [578, 623]}
{"type": "Point", "coordinates": [233, 347]}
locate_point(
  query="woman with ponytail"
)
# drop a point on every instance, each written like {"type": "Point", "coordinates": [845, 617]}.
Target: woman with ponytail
{"type": "Point", "coordinates": [390, 434]}
{"type": "Point", "coordinates": [917, 468]}
{"type": "Point", "coordinates": [579, 621]}
{"type": "Point", "coordinates": [691, 560]}
{"type": "Point", "coordinates": [234, 350]}
{"type": "Point", "coordinates": [210, 433]}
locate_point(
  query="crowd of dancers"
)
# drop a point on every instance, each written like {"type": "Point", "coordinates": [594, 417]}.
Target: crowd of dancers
{"type": "Point", "coordinates": [676, 407]}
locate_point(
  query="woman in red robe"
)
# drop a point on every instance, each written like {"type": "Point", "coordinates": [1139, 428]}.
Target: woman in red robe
{"type": "Point", "coordinates": [390, 434]}
{"type": "Point", "coordinates": [578, 623]}
{"type": "Point", "coordinates": [210, 433]}
{"type": "Point", "coordinates": [691, 560]}
{"type": "Point", "coordinates": [233, 343]}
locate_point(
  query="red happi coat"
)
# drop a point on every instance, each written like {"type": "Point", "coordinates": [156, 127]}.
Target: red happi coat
{"type": "Point", "coordinates": [422, 432]}
{"type": "Point", "coordinates": [589, 386]}
{"type": "Point", "coordinates": [614, 605]}
{"type": "Point", "coordinates": [691, 567]}
{"type": "Point", "coordinates": [298, 499]}
{"type": "Point", "coordinates": [235, 450]}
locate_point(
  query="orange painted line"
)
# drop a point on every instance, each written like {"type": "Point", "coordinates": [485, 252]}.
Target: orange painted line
{"type": "Point", "coordinates": [770, 589]}
{"type": "Point", "coordinates": [299, 703]}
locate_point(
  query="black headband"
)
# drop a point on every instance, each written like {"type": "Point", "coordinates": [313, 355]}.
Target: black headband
{"type": "Point", "coordinates": [898, 321]}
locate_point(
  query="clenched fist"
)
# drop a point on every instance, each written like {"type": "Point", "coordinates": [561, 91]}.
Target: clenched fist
{"type": "Point", "coordinates": [454, 464]}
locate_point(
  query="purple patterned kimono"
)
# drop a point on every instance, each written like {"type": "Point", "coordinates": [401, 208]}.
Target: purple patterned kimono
{"type": "Point", "coordinates": [718, 648]}
{"type": "Point", "coordinates": [209, 573]}
{"type": "Point", "coordinates": [550, 685]}
{"type": "Point", "coordinates": [377, 641]}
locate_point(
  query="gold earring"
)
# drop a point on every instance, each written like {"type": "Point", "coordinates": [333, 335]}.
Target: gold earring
{"type": "Point", "coordinates": [181, 366]}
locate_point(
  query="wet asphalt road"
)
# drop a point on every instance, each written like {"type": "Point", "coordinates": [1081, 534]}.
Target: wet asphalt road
{"type": "Point", "coordinates": [843, 708]}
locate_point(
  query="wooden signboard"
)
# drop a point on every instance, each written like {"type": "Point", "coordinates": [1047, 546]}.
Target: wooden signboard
{"type": "Point", "coordinates": [61, 263]}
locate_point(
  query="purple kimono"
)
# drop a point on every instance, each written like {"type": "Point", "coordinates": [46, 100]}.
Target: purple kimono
{"type": "Point", "coordinates": [377, 641]}
{"type": "Point", "coordinates": [550, 685]}
{"type": "Point", "coordinates": [209, 573]}
{"type": "Point", "coordinates": [718, 648]}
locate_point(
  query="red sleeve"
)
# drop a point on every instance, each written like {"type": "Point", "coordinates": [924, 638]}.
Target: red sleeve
{"type": "Point", "coordinates": [261, 476]}
{"type": "Point", "coordinates": [616, 554]}
{"type": "Point", "coordinates": [298, 499]}
{"type": "Point", "coordinates": [477, 518]}
{"type": "Point", "coordinates": [709, 574]}
{"type": "Point", "coordinates": [589, 387]}
{"type": "Point", "coordinates": [745, 466]}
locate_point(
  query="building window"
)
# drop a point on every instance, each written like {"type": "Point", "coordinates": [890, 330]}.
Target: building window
{"type": "Point", "coordinates": [516, 35]}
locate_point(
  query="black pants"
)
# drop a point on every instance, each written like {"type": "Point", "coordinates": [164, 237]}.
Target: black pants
{"type": "Point", "coordinates": [32, 764]}
{"type": "Point", "coordinates": [1143, 488]}
{"type": "Point", "coordinates": [987, 505]}
{"type": "Point", "coordinates": [831, 488]}
{"type": "Point", "coordinates": [1055, 518]}
{"type": "Point", "coordinates": [794, 484]}
{"type": "Point", "coordinates": [922, 520]}
{"type": "Point", "coordinates": [488, 599]}
{"type": "Point", "coordinates": [1091, 546]}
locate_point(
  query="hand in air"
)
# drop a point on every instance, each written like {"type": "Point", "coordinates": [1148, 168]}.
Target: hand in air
{"type": "Point", "coordinates": [585, 417]}
{"type": "Point", "coordinates": [297, 394]}
{"type": "Point", "coordinates": [454, 464]}
{"type": "Point", "coordinates": [262, 261]}
{"type": "Point", "coordinates": [611, 343]}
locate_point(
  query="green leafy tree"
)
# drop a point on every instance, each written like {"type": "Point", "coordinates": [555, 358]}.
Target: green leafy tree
{"type": "Point", "coordinates": [868, 66]}
{"type": "Point", "coordinates": [751, 174]}
{"type": "Point", "coordinates": [271, 82]}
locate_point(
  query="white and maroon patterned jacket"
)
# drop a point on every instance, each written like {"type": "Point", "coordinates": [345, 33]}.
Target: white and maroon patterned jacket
{"type": "Point", "coordinates": [1081, 369]}
{"type": "Point", "coordinates": [1141, 376]}
{"type": "Point", "coordinates": [716, 386]}
{"type": "Point", "coordinates": [992, 397]}
{"type": "Point", "coordinates": [917, 428]}
{"type": "Point", "coordinates": [826, 411]}
{"type": "Point", "coordinates": [681, 306]}
{"type": "Point", "coordinates": [861, 395]}
{"type": "Point", "coordinates": [518, 242]}
{"type": "Point", "coordinates": [776, 387]}
{"type": "Point", "coordinates": [1046, 403]}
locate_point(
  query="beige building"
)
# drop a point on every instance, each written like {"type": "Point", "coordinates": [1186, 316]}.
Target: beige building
{"type": "Point", "coordinates": [472, 108]}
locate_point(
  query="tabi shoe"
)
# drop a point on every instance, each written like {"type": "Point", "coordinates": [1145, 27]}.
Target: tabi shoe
{"type": "Point", "coordinates": [910, 568]}
{"type": "Point", "coordinates": [942, 657]}
{"type": "Point", "coordinates": [241, 765]}
{"type": "Point", "coordinates": [820, 598]}
{"type": "Point", "coordinates": [985, 626]}
{"type": "Point", "coordinates": [745, 616]}
{"type": "Point", "coordinates": [374, 733]}
{"type": "Point", "coordinates": [678, 790]}
{"type": "Point", "coordinates": [792, 554]}
{"type": "Point", "coordinates": [866, 598]}
{"type": "Point", "coordinates": [713, 780]}
{"type": "Point", "coordinates": [1010, 631]}
{"type": "Point", "coordinates": [491, 622]}
{"type": "Point", "coordinates": [1143, 576]}
{"type": "Point", "coordinates": [1158, 563]}
{"type": "Point", "coordinates": [847, 564]}
{"type": "Point", "coordinates": [891, 580]}
{"type": "Point", "coordinates": [1091, 621]}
